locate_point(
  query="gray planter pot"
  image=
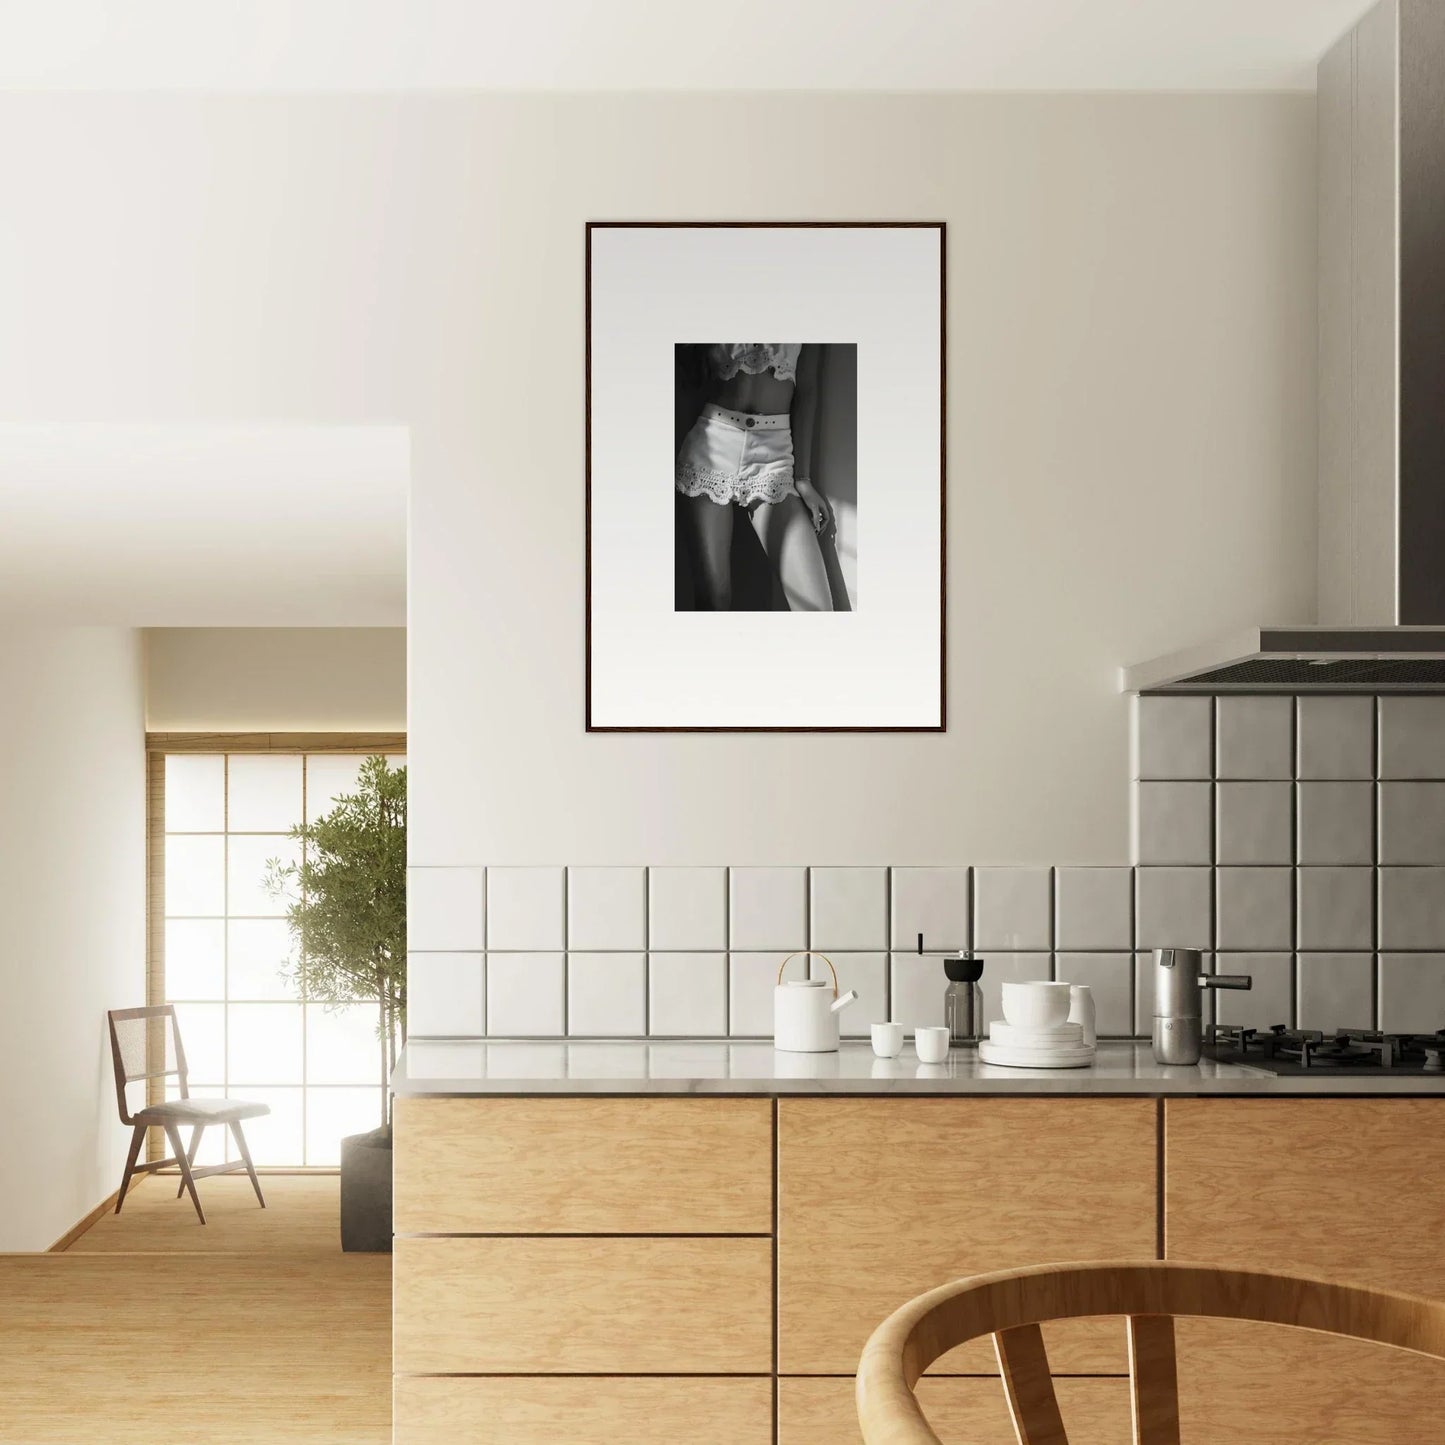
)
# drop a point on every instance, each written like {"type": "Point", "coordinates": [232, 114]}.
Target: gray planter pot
{"type": "Point", "coordinates": [366, 1192]}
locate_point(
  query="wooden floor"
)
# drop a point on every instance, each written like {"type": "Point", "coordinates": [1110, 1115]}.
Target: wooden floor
{"type": "Point", "coordinates": [250, 1330]}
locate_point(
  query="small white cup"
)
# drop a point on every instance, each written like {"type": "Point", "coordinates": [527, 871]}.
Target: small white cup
{"type": "Point", "coordinates": [887, 1040]}
{"type": "Point", "coordinates": [931, 1044]}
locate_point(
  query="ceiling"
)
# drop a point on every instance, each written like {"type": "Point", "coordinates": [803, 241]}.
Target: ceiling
{"type": "Point", "coordinates": [159, 526]}
{"type": "Point", "coordinates": [348, 45]}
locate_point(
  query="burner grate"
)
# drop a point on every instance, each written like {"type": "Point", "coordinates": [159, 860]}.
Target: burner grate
{"type": "Point", "coordinates": [1355, 1049]}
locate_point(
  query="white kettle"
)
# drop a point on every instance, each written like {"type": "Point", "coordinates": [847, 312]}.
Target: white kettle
{"type": "Point", "coordinates": [805, 1011]}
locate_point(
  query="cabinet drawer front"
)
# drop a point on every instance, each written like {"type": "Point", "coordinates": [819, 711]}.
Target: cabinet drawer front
{"type": "Point", "coordinates": [822, 1411]}
{"type": "Point", "coordinates": [580, 1306]}
{"type": "Point", "coordinates": [882, 1199]}
{"type": "Point", "coordinates": [1343, 1188]}
{"type": "Point", "coordinates": [583, 1166]}
{"type": "Point", "coordinates": [1298, 1386]}
{"type": "Point", "coordinates": [583, 1411]}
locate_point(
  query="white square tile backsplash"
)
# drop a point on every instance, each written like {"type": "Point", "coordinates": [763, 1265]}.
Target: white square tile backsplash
{"type": "Point", "coordinates": [1336, 823]}
{"type": "Point", "coordinates": [1173, 907]}
{"type": "Point", "coordinates": [1412, 737]}
{"type": "Point", "coordinates": [1336, 909]}
{"type": "Point", "coordinates": [1094, 908]}
{"type": "Point", "coordinates": [1173, 737]}
{"type": "Point", "coordinates": [1412, 908]}
{"type": "Point", "coordinates": [1254, 737]}
{"type": "Point", "coordinates": [1336, 737]}
{"type": "Point", "coordinates": [445, 994]}
{"type": "Point", "coordinates": [933, 902]}
{"type": "Point", "coordinates": [688, 994]}
{"type": "Point", "coordinates": [1253, 823]}
{"type": "Point", "coordinates": [444, 909]}
{"type": "Point", "coordinates": [1172, 823]}
{"type": "Point", "coordinates": [1013, 908]}
{"type": "Point", "coordinates": [1412, 822]}
{"type": "Point", "coordinates": [1315, 830]}
{"type": "Point", "coordinates": [768, 908]}
{"type": "Point", "coordinates": [607, 908]}
{"type": "Point", "coordinates": [1412, 992]}
{"type": "Point", "coordinates": [848, 908]}
{"type": "Point", "coordinates": [526, 908]}
{"type": "Point", "coordinates": [526, 994]}
{"type": "Point", "coordinates": [687, 909]}
{"type": "Point", "coordinates": [607, 995]}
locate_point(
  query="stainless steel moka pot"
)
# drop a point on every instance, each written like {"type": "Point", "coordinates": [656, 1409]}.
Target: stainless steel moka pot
{"type": "Point", "coordinates": [1179, 984]}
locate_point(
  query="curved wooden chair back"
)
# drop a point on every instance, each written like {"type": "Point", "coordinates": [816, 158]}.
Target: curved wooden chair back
{"type": "Point", "coordinates": [1012, 1304]}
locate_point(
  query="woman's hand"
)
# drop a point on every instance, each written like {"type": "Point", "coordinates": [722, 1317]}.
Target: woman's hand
{"type": "Point", "coordinates": [818, 508]}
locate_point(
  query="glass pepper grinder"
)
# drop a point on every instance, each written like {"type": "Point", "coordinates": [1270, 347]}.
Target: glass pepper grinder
{"type": "Point", "coordinates": [963, 999]}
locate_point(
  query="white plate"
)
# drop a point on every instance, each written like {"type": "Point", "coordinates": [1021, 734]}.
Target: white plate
{"type": "Point", "coordinates": [1078, 1056]}
{"type": "Point", "coordinates": [1015, 1038]}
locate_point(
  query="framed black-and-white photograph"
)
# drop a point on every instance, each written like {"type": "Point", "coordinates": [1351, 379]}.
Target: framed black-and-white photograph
{"type": "Point", "coordinates": [765, 519]}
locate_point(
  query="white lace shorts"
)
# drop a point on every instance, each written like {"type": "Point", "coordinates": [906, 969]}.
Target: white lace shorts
{"type": "Point", "coordinates": [733, 456]}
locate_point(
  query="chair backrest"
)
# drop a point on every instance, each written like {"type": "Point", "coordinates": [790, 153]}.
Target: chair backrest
{"type": "Point", "coordinates": [145, 1043]}
{"type": "Point", "coordinates": [1012, 1304]}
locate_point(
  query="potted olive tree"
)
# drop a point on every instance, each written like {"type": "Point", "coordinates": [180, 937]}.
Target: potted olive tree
{"type": "Point", "coordinates": [346, 906]}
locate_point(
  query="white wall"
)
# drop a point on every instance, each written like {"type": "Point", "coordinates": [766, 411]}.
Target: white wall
{"type": "Point", "coordinates": [72, 894]}
{"type": "Point", "coordinates": [276, 679]}
{"type": "Point", "coordinates": [1131, 416]}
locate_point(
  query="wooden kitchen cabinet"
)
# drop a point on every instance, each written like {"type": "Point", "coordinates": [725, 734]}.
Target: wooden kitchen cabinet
{"type": "Point", "coordinates": [964, 1409]}
{"type": "Point", "coordinates": [583, 1166]}
{"type": "Point", "coordinates": [1342, 1188]}
{"type": "Point", "coordinates": [583, 1410]}
{"type": "Point", "coordinates": [881, 1199]}
{"type": "Point", "coordinates": [583, 1306]}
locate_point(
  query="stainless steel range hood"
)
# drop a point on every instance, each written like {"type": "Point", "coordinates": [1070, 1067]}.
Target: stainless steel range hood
{"type": "Point", "coordinates": [1381, 512]}
{"type": "Point", "coordinates": [1302, 659]}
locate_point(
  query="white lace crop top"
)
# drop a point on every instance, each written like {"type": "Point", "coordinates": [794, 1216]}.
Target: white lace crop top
{"type": "Point", "coordinates": [725, 359]}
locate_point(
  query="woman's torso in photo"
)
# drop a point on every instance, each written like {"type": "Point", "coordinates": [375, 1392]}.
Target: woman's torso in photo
{"type": "Point", "coordinates": [756, 377]}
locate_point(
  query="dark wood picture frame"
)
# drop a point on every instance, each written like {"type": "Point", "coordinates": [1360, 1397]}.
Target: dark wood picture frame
{"type": "Point", "coordinates": [942, 228]}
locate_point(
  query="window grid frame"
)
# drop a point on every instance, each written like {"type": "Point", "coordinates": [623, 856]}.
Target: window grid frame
{"type": "Point", "coordinates": [159, 747]}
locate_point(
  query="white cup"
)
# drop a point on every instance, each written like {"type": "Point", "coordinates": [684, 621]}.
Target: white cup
{"type": "Point", "coordinates": [887, 1040]}
{"type": "Point", "coordinates": [931, 1044]}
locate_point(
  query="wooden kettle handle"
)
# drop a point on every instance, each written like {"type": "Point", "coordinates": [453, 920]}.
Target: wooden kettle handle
{"type": "Point", "coordinates": [810, 953]}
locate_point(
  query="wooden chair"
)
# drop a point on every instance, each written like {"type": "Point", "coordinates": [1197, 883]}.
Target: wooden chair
{"type": "Point", "coordinates": [145, 1043]}
{"type": "Point", "coordinates": [1011, 1305]}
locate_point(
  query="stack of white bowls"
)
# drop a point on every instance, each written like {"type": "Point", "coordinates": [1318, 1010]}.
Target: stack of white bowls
{"type": "Point", "coordinates": [1035, 1032]}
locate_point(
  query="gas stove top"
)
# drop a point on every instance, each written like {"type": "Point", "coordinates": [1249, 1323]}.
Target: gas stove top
{"type": "Point", "coordinates": [1287, 1051]}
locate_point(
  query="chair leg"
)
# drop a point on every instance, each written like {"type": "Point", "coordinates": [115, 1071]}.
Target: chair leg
{"type": "Point", "coordinates": [136, 1140]}
{"type": "Point", "coordinates": [196, 1130]}
{"type": "Point", "coordinates": [246, 1157]}
{"type": "Point", "coordinates": [173, 1133]}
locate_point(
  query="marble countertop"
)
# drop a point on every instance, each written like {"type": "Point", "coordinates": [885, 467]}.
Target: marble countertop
{"type": "Point", "coordinates": [721, 1066]}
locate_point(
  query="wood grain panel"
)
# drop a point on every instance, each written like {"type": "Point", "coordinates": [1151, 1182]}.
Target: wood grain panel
{"type": "Point", "coordinates": [583, 1166]}
{"type": "Point", "coordinates": [582, 1410]}
{"type": "Point", "coordinates": [1289, 1386]}
{"type": "Point", "coordinates": [882, 1199]}
{"type": "Point", "coordinates": [583, 1306]}
{"type": "Point", "coordinates": [971, 1411]}
{"type": "Point", "coordinates": [1342, 1188]}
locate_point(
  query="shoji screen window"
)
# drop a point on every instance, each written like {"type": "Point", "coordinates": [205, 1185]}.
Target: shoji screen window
{"type": "Point", "coordinates": [229, 961]}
